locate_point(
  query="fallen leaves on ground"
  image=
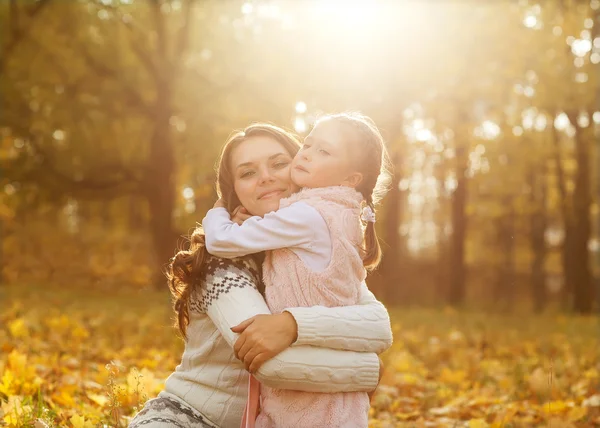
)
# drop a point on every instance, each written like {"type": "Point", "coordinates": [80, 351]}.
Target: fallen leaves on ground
{"type": "Point", "coordinates": [87, 359]}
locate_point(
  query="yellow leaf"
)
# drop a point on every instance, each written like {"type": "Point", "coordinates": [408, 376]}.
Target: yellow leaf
{"type": "Point", "coordinates": [538, 381]}
{"type": "Point", "coordinates": [554, 407]}
{"type": "Point", "coordinates": [14, 410]}
{"type": "Point", "coordinates": [99, 399]}
{"type": "Point", "coordinates": [64, 399]}
{"type": "Point", "coordinates": [80, 332]}
{"type": "Point", "coordinates": [80, 422]}
{"type": "Point", "coordinates": [17, 361]}
{"type": "Point", "coordinates": [18, 328]}
{"type": "Point", "coordinates": [577, 413]}
{"type": "Point", "coordinates": [452, 376]}
{"type": "Point", "coordinates": [8, 387]}
{"type": "Point", "coordinates": [478, 423]}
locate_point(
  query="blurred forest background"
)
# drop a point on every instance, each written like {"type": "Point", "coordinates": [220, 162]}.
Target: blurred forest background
{"type": "Point", "coordinates": [114, 111]}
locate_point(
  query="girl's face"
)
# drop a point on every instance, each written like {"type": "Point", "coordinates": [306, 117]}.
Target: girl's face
{"type": "Point", "coordinates": [261, 174]}
{"type": "Point", "coordinates": [325, 159]}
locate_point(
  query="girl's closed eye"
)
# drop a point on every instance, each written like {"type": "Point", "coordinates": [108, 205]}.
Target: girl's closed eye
{"type": "Point", "coordinates": [324, 152]}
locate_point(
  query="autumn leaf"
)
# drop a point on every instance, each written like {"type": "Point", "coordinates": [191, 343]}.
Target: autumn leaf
{"type": "Point", "coordinates": [18, 328]}
{"type": "Point", "coordinates": [80, 422]}
{"type": "Point", "coordinates": [478, 423]}
{"type": "Point", "coordinates": [577, 413]}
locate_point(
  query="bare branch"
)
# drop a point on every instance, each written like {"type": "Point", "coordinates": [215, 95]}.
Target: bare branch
{"type": "Point", "coordinates": [19, 33]}
{"type": "Point", "coordinates": [133, 98]}
{"type": "Point", "coordinates": [184, 32]}
{"type": "Point", "coordinates": [135, 42]}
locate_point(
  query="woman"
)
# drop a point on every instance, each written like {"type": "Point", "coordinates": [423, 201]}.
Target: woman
{"type": "Point", "coordinates": [217, 298]}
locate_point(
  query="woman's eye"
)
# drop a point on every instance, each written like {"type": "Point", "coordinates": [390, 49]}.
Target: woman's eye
{"type": "Point", "coordinates": [280, 164]}
{"type": "Point", "coordinates": [246, 174]}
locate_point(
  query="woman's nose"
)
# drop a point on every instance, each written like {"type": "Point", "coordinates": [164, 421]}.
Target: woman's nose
{"type": "Point", "coordinates": [265, 175]}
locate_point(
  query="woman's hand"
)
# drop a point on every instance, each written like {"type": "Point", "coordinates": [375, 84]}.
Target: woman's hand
{"type": "Point", "coordinates": [262, 337]}
{"type": "Point", "coordinates": [240, 215]}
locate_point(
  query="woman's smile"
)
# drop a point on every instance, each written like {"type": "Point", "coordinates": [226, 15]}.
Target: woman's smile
{"type": "Point", "coordinates": [270, 194]}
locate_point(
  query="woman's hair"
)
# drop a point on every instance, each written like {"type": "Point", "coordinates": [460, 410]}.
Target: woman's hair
{"type": "Point", "coordinates": [187, 269]}
{"type": "Point", "coordinates": [373, 162]}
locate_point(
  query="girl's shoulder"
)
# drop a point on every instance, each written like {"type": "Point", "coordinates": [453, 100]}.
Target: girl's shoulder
{"type": "Point", "coordinates": [341, 195]}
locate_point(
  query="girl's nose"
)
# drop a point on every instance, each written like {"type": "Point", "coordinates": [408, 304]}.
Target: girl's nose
{"type": "Point", "coordinates": [306, 155]}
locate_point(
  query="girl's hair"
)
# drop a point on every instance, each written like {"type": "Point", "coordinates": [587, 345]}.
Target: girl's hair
{"type": "Point", "coordinates": [374, 164]}
{"type": "Point", "coordinates": [186, 269]}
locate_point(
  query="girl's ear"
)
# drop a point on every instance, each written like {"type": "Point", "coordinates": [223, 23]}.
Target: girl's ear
{"type": "Point", "coordinates": [353, 180]}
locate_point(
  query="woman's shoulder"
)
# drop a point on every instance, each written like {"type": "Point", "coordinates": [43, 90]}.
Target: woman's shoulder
{"type": "Point", "coordinates": [223, 276]}
{"type": "Point", "coordinates": [218, 267]}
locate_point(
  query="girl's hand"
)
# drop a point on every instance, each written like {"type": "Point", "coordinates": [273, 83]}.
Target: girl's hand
{"type": "Point", "coordinates": [219, 204]}
{"type": "Point", "coordinates": [240, 215]}
{"type": "Point", "coordinates": [262, 337]}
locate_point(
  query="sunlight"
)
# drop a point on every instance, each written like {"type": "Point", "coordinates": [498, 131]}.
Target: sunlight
{"type": "Point", "coordinates": [488, 130]}
{"type": "Point", "coordinates": [581, 47]}
{"type": "Point", "coordinates": [561, 122]}
{"type": "Point", "coordinates": [357, 13]}
{"type": "Point", "coordinates": [300, 107]}
{"type": "Point", "coordinates": [530, 21]}
{"type": "Point", "coordinates": [300, 125]}
{"type": "Point", "coordinates": [188, 193]}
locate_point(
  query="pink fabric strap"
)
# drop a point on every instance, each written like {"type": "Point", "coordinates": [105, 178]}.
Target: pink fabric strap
{"type": "Point", "coordinates": [251, 410]}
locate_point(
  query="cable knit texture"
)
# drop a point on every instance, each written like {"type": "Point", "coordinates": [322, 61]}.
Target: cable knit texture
{"type": "Point", "coordinates": [214, 383]}
{"type": "Point", "coordinates": [290, 283]}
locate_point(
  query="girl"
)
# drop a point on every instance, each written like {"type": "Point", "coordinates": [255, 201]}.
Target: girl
{"type": "Point", "coordinates": [318, 249]}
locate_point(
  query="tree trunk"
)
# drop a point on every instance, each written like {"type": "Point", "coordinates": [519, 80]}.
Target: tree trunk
{"type": "Point", "coordinates": [566, 249]}
{"type": "Point", "coordinates": [598, 222]}
{"type": "Point", "coordinates": [441, 275]}
{"type": "Point", "coordinates": [538, 225]}
{"type": "Point", "coordinates": [583, 292]}
{"type": "Point", "coordinates": [135, 218]}
{"type": "Point", "coordinates": [2, 262]}
{"type": "Point", "coordinates": [505, 278]}
{"type": "Point", "coordinates": [456, 295]}
{"type": "Point", "coordinates": [160, 185]}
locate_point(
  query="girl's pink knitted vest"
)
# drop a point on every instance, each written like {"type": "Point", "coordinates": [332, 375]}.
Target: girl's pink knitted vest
{"type": "Point", "coordinates": [290, 283]}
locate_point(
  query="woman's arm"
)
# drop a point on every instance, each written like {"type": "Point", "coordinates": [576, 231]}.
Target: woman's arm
{"type": "Point", "coordinates": [364, 327]}
{"type": "Point", "coordinates": [289, 227]}
{"type": "Point", "coordinates": [230, 296]}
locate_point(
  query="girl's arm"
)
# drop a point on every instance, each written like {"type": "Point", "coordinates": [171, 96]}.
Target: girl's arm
{"type": "Point", "coordinates": [230, 296]}
{"type": "Point", "coordinates": [289, 227]}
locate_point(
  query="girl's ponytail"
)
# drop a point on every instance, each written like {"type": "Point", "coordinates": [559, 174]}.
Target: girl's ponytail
{"type": "Point", "coordinates": [372, 249]}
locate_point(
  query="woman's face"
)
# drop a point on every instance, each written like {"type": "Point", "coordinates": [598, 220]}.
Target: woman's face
{"type": "Point", "coordinates": [261, 174]}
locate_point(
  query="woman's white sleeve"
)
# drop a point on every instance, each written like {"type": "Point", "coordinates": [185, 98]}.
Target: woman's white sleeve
{"type": "Point", "coordinates": [230, 297]}
{"type": "Point", "coordinates": [364, 327]}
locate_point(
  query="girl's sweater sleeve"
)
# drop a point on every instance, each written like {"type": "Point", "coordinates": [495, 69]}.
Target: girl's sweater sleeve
{"type": "Point", "coordinates": [364, 327]}
{"type": "Point", "coordinates": [289, 227]}
{"type": "Point", "coordinates": [230, 296]}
